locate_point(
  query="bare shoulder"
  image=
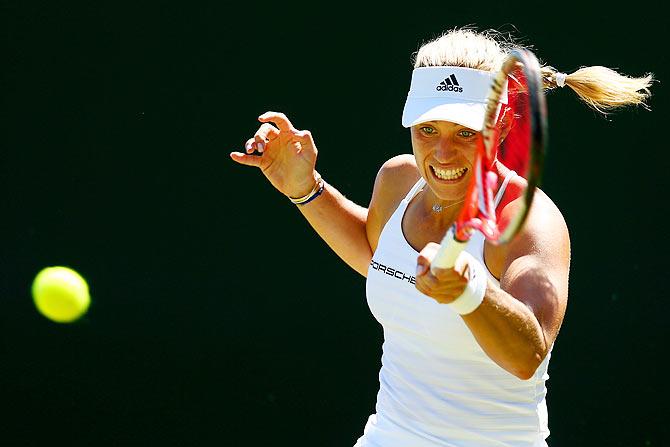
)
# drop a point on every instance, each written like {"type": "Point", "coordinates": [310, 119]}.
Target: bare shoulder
{"type": "Point", "coordinates": [545, 232]}
{"type": "Point", "coordinates": [544, 216]}
{"type": "Point", "coordinates": [399, 169]}
{"type": "Point", "coordinates": [546, 220]}
{"type": "Point", "coordinates": [394, 179]}
{"type": "Point", "coordinates": [544, 236]}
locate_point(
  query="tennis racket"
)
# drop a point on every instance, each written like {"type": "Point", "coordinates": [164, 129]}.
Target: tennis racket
{"type": "Point", "coordinates": [522, 150]}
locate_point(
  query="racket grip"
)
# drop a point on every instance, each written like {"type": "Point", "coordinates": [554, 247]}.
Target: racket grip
{"type": "Point", "coordinates": [448, 252]}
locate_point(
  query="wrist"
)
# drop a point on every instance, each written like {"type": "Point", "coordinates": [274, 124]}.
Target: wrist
{"type": "Point", "coordinates": [304, 187]}
{"type": "Point", "coordinates": [314, 192]}
{"type": "Point", "coordinates": [473, 295]}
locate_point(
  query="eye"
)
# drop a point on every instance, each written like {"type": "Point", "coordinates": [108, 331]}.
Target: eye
{"type": "Point", "coordinates": [428, 130]}
{"type": "Point", "coordinates": [466, 133]}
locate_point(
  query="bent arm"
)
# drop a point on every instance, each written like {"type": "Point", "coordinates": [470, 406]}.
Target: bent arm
{"type": "Point", "coordinates": [517, 323]}
{"type": "Point", "coordinates": [287, 158]}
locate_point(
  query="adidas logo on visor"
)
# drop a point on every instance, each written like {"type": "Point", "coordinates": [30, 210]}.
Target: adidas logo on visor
{"type": "Point", "coordinates": [449, 84]}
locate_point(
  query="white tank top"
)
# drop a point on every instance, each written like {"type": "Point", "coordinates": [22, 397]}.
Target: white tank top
{"type": "Point", "coordinates": [437, 387]}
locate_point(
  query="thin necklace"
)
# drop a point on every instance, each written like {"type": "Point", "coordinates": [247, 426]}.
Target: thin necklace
{"type": "Point", "coordinates": [439, 208]}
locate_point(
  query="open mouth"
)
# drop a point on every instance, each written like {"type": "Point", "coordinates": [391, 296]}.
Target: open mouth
{"type": "Point", "coordinates": [449, 174]}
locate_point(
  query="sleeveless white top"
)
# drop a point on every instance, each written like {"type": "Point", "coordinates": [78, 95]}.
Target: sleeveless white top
{"type": "Point", "coordinates": [437, 387]}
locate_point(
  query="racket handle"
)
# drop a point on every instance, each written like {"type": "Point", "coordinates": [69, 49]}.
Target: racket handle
{"type": "Point", "coordinates": [449, 250]}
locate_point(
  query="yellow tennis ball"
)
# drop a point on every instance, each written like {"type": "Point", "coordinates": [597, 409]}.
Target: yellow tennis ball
{"type": "Point", "coordinates": [61, 294]}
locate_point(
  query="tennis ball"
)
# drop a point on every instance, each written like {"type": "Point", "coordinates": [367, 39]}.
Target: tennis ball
{"type": "Point", "coordinates": [60, 294]}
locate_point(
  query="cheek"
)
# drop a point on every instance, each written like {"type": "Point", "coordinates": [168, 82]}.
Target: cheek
{"type": "Point", "coordinates": [417, 150]}
{"type": "Point", "coordinates": [419, 157]}
{"type": "Point", "coordinates": [469, 153]}
{"type": "Point", "coordinates": [419, 153]}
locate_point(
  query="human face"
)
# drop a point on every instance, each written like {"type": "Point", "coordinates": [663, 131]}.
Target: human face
{"type": "Point", "coordinates": [445, 154]}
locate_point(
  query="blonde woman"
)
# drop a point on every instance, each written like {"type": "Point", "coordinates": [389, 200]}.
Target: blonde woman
{"type": "Point", "coordinates": [451, 375]}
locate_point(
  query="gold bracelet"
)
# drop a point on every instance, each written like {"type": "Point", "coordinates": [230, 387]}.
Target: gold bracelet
{"type": "Point", "coordinates": [316, 190]}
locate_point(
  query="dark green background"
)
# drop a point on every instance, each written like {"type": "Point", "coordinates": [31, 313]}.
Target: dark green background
{"type": "Point", "coordinates": [218, 316]}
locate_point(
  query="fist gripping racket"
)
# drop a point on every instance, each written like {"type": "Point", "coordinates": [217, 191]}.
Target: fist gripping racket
{"type": "Point", "coordinates": [522, 150]}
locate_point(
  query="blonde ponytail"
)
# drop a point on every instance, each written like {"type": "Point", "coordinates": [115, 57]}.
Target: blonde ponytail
{"type": "Point", "coordinates": [601, 88]}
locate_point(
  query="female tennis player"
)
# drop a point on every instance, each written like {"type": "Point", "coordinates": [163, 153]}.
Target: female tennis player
{"type": "Point", "coordinates": [464, 360]}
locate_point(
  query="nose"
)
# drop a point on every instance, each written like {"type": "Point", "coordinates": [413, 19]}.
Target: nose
{"type": "Point", "coordinates": [445, 150]}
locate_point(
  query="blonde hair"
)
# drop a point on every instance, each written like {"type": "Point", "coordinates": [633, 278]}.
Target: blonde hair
{"type": "Point", "coordinates": [601, 88]}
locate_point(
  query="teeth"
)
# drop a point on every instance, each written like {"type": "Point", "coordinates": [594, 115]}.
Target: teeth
{"type": "Point", "coordinates": [449, 174]}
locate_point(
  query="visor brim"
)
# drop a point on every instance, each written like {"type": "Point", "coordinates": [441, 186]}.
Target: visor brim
{"type": "Point", "coordinates": [422, 110]}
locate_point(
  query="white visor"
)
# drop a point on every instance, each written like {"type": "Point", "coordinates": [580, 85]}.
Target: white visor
{"type": "Point", "coordinates": [454, 94]}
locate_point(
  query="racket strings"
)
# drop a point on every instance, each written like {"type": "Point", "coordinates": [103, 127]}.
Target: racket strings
{"type": "Point", "coordinates": [512, 131]}
{"type": "Point", "coordinates": [513, 151]}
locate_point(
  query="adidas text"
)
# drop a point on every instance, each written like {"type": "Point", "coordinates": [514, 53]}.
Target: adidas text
{"type": "Point", "coordinates": [449, 88]}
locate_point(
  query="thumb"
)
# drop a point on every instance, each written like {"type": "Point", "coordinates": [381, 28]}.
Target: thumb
{"type": "Point", "coordinates": [422, 266]}
{"type": "Point", "coordinates": [246, 159]}
{"type": "Point", "coordinates": [425, 258]}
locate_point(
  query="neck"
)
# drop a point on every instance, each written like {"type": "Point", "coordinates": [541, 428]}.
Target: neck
{"type": "Point", "coordinates": [440, 211]}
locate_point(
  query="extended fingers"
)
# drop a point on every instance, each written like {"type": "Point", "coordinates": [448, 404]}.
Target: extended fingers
{"type": "Point", "coordinates": [279, 119]}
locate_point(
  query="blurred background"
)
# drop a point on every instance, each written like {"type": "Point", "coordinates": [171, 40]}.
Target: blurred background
{"type": "Point", "coordinates": [218, 316]}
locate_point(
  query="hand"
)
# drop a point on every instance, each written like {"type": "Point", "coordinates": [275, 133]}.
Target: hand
{"type": "Point", "coordinates": [285, 155]}
{"type": "Point", "coordinates": [443, 285]}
